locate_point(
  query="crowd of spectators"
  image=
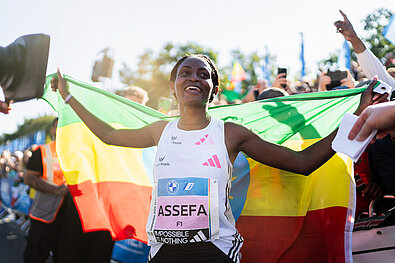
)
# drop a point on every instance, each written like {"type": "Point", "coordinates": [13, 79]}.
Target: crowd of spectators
{"type": "Point", "coordinates": [374, 172]}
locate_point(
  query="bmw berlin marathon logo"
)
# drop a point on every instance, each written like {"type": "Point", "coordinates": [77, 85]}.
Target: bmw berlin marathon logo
{"type": "Point", "coordinates": [172, 187]}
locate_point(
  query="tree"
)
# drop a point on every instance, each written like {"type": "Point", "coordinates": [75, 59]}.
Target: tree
{"type": "Point", "coordinates": [251, 64]}
{"type": "Point", "coordinates": [374, 24]}
{"type": "Point", "coordinates": [153, 70]}
{"type": "Point", "coordinates": [29, 126]}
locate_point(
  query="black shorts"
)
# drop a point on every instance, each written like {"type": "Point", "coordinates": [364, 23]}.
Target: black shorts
{"type": "Point", "coordinates": [200, 252]}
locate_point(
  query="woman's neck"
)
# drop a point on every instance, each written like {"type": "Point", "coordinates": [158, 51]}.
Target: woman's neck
{"type": "Point", "coordinates": [193, 118]}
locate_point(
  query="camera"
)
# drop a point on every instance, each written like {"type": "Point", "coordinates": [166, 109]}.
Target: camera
{"type": "Point", "coordinates": [282, 70]}
{"type": "Point", "coordinates": [23, 65]}
{"type": "Point", "coordinates": [336, 77]}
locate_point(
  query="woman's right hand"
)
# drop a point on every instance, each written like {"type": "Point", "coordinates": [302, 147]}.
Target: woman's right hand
{"type": "Point", "coordinates": [60, 84]}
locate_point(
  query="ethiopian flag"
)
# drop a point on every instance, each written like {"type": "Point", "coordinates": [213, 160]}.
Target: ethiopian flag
{"type": "Point", "coordinates": [283, 217]}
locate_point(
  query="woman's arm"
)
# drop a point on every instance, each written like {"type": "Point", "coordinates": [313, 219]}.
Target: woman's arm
{"type": "Point", "coordinates": [304, 162]}
{"type": "Point", "coordinates": [136, 138]}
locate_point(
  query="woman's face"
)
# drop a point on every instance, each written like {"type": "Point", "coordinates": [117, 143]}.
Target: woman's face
{"type": "Point", "coordinates": [193, 84]}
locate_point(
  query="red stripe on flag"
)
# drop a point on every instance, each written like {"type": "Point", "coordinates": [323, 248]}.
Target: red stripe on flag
{"type": "Point", "coordinates": [119, 207]}
{"type": "Point", "coordinates": [316, 237]}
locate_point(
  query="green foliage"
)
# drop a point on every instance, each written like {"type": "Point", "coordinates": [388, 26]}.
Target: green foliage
{"type": "Point", "coordinates": [250, 63]}
{"type": "Point", "coordinates": [374, 24]}
{"type": "Point", "coordinates": [28, 127]}
{"type": "Point", "coordinates": [329, 62]}
{"type": "Point", "coordinates": [153, 70]}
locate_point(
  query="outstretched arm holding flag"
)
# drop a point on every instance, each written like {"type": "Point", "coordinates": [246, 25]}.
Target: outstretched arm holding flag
{"type": "Point", "coordinates": [198, 150]}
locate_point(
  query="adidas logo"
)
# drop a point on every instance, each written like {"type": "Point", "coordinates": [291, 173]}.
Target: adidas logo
{"type": "Point", "coordinates": [213, 162]}
{"type": "Point", "coordinates": [205, 139]}
{"type": "Point", "coordinates": [173, 138]}
{"type": "Point", "coordinates": [198, 237]}
{"type": "Point", "coordinates": [161, 158]}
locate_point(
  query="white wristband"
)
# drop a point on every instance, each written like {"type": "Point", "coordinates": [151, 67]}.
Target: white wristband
{"type": "Point", "coordinates": [68, 98]}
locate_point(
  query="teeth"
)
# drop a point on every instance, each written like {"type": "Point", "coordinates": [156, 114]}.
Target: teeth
{"type": "Point", "coordinates": [192, 88]}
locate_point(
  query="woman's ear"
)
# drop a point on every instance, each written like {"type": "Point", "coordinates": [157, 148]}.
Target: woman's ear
{"type": "Point", "coordinates": [215, 90]}
{"type": "Point", "coordinates": [213, 93]}
{"type": "Point", "coordinates": [172, 89]}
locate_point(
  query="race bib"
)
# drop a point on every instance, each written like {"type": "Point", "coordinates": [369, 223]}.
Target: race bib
{"type": "Point", "coordinates": [186, 211]}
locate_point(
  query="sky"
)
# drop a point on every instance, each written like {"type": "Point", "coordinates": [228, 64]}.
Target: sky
{"type": "Point", "coordinates": [79, 30]}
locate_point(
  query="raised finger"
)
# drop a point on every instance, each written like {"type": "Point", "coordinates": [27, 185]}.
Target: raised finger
{"type": "Point", "coordinates": [344, 16]}
{"type": "Point", "coordinates": [60, 76]}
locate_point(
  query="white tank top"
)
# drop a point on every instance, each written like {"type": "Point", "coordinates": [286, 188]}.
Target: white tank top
{"type": "Point", "coordinates": [190, 196]}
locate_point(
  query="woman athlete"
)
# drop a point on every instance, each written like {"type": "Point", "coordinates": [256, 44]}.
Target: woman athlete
{"type": "Point", "coordinates": [190, 217]}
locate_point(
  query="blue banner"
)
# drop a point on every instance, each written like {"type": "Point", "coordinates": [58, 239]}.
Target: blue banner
{"type": "Point", "coordinates": [301, 57]}
{"type": "Point", "coordinates": [389, 30]}
{"type": "Point", "coordinates": [130, 251]}
{"type": "Point", "coordinates": [24, 142]}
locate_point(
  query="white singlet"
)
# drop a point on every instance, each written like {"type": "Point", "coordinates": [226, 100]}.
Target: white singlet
{"type": "Point", "coordinates": [190, 196]}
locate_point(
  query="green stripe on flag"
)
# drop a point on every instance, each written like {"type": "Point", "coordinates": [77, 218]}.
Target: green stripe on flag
{"type": "Point", "coordinates": [303, 116]}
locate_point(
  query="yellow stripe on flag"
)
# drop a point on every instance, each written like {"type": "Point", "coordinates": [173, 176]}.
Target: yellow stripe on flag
{"type": "Point", "coordinates": [78, 148]}
{"type": "Point", "coordinates": [275, 192]}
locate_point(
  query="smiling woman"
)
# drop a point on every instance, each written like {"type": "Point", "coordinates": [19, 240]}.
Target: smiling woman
{"type": "Point", "coordinates": [190, 217]}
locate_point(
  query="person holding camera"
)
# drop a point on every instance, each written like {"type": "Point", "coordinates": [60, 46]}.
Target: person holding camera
{"type": "Point", "coordinates": [281, 81]}
{"type": "Point", "coordinates": [335, 80]}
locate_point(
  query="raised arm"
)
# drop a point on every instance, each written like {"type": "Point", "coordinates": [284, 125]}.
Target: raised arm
{"type": "Point", "coordinates": [347, 30]}
{"type": "Point", "coordinates": [369, 63]}
{"type": "Point", "coordinates": [136, 138]}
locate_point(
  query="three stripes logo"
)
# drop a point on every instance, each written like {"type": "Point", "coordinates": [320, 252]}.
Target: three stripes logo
{"type": "Point", "coordinates": [198, 237]}
{"type": "Point", "coordinates": [205, 140]}
{"type": "Point", "coordinates": [213, 162]}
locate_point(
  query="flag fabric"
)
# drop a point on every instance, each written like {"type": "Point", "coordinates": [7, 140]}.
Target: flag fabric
{"type": "Point", "coordinates": [389, 30]}
{"type": "Point", "coordinates": [238, 75]}
{"type": "Point", "coordinates": [301, 57]}
{"type": "Point", "coordinates": [344, 58]}
{"type": "Point", "coordinates": [284, 217]}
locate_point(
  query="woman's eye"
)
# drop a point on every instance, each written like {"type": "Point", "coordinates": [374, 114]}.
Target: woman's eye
{"type": "Point", "coordinates": [183, 73]}
{"type": "Point", "coordinates": [204, 75]}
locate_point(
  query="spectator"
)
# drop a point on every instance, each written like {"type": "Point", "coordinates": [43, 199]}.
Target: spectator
{"type": "Point", "coordinates": [47, 211]}
{"type": "Point", "coordinates": [370, 65]}
{"type": "Point", "coordinates": [59, 229]}
{"type": "Point", "coordinates": [325, 80]}
{"type": "Point", "coordinates": [253, 93]}
{"type": "Point", "coordinates": [281, 82]}
{"type": "Point", "coordinates": [135, 94]}
{"type": "Point", "coordinates": [272, 93]}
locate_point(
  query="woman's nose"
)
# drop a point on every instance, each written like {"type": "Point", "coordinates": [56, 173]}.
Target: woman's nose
{"type": "Point", "coordinates": [193, 76]}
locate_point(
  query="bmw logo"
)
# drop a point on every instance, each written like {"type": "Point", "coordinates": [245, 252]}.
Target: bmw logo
{"type": "Point", "coordinates": [172, 187]}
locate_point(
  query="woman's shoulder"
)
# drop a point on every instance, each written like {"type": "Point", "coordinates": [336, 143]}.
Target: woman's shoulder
{"type": "Point", "coordinates": [234, 131]}
{"type": "Point", "coordinates": [156, 129]}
